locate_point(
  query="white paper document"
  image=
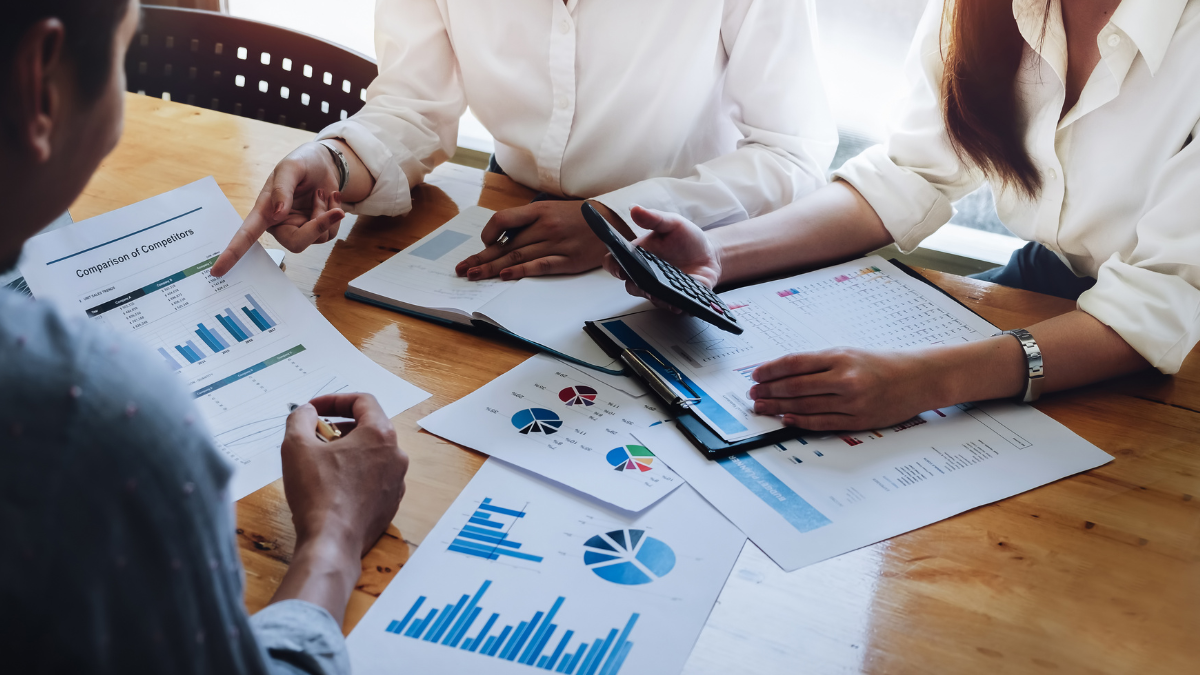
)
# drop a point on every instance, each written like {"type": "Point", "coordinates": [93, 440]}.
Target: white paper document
{"type": "Point", "coordinates": [554, 420]}
{"type": "Point", "coordinates": [867, 303]}
{"type": "Point", "coordinates": [810, 499]}
{"type": "Point", "coordinates": [521, 576]}
{"type": "Point", "coordinates": [546, 311]}
{"type": "Point", "coordinates": [245, 345]}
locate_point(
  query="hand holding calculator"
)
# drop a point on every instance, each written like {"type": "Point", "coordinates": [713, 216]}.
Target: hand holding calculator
{"type": "Point", "coordinates": [661, 279]}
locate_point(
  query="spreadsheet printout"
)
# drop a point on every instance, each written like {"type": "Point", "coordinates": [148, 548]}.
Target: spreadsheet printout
{"type": "Point", "coordinates": [867, 303]}
{"type": "Point", "coordinates": [824, 494]}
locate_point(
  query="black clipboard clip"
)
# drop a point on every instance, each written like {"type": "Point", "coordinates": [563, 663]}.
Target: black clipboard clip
{"type": "Point", "coordinates": [665, 390]}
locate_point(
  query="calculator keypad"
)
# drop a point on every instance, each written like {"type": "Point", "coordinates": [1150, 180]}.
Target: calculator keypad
{"type": "Point", "coordinates": [687, 285]}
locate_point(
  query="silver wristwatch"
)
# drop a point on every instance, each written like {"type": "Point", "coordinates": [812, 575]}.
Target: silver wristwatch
{"type": "Point", "coordinates": [342, 165]}
{"type": "Point", "coordinates": [1033, 359]}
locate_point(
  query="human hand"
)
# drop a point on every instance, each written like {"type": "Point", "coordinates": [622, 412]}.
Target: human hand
{"type": "Point", "coordinates": [299, 205]}
{"type": "Point", "coordinates": [677, 241]}
{"type": "Point", "coordinates": [553, 238]}
{"type": "Point", "coordinates": [347, 490]}
{"type": "Point", "coordinates": [848, 389]}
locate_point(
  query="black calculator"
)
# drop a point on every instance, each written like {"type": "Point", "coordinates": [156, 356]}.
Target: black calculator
{"type": "Point", "coordinates": [660, 278]}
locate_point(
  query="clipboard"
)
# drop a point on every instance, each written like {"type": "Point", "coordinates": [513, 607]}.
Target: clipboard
{"type": "Point", "coordinates": [648, 368]}
{"type": "Point", "coordinates": [651, 369]}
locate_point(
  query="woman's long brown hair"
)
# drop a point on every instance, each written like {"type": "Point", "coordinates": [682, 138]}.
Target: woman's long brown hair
{"type": "Point", "coordinates": [979, 92]}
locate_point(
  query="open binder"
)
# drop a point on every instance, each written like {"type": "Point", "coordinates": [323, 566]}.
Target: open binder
{"type": "Point", "coordinates": [687, 401]}
{"type": "Point", "coordinates": [659, 375]}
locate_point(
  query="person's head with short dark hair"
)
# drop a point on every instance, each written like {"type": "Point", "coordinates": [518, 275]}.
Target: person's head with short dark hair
{"type": "Point", "coordinates": [61, 103]}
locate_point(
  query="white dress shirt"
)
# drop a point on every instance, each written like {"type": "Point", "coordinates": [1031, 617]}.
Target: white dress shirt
{"type": "Point", "coordinates": [713, 109]}
{"type": "Point", "coordinates": [1120, 198]}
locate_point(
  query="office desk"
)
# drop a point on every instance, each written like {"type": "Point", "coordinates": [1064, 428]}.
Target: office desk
{"type": "Point", "coordinates": [1095, 573]}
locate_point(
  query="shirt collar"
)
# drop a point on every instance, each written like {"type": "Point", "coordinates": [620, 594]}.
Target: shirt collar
{"type": "Point", "coordinates": [1043, 31]}
{"type": "Point", "coordinates": [1150, 24]}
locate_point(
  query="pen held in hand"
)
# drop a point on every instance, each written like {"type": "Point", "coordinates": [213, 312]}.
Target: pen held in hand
{"type": "Point", "coordinates": [325, 431]}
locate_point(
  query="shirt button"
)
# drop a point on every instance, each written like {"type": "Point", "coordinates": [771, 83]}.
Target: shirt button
{"type": "Point", "coordinates": [1114, 40]}
{"type": "Point", "coordinates": [1053, 174]}
{"type": "Point", "coordinates": [563, 103]}
{"type": "Point", "coordinates": [564, 27]}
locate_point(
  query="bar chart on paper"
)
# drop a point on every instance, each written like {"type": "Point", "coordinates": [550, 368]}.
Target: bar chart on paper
{"type": "Point", "coordinates": [526, 642]}
{"type": "Point", "coordinates": [245, 344]}
{"type": "Point", "coordinates": [486, 534]}
{"type": "Point", "coordinates": [612, 592]}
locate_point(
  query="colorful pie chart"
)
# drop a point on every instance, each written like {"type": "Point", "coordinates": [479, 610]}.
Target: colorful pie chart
{"type": "Point", "coordinates": [630, 458]}
{"type": "Point", "coordinates": [578, 395]}
{"type": "Point", "coordinates": [536, 421]}
{"type": "Point", "coordinates": [628, 557]}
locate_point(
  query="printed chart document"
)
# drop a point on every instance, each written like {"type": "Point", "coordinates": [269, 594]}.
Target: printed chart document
{"type": "Point", "coordinates": [547, 311]}
{"type": "Point", "coordinates": [820, 496]}
{"type": "Point", "coordinates": [552, 419]}
{"type": "Point", "coordinates": [867, 303]}
{"type": "Point", "coordinates": [245, 345]}
{"type": "Point", "coordinates": [522, 576]}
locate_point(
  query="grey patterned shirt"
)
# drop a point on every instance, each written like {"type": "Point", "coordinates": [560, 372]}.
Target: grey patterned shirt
{"type": "Point", "coordinates": [117, 548]}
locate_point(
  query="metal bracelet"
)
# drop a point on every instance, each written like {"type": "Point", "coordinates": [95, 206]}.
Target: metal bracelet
{"type": "Point", "coordinates": [339, 159]}
{"type": "Point", "coordinates": [1033, 360]}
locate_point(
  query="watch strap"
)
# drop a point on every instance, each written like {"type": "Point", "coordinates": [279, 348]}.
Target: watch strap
{"type": "Point", "coordinates": [1033, 361]}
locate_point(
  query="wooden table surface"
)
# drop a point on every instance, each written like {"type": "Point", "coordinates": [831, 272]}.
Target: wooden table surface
{"type": "Point", "coordinates": [1095, 573]}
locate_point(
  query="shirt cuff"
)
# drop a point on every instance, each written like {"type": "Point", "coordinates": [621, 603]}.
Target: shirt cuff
{"type": "Point", "coordinates": [910, 208]}
{"type": "Point", "coordinates": [1157, 314]}
{"type": "Point", "coordinates": [301, 635]}
{"type": "Point", "coordinates": [391, 195]}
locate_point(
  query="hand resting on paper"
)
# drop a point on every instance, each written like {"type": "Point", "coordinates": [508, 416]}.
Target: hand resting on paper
{"type": "Point", "coordinates": [549, 237]}
{"type": "Point", "coordinates": [677, 241]}
{"type": "Point", "coordinates": [847, 389]}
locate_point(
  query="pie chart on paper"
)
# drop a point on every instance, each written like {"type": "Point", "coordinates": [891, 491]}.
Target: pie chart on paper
{"type": "Point", "coordinates": [630, 458]}
{"type": "Point", "coordinates": [578, 395]}
{"type": "Point", "coordinates": [536, 421]}
{"type": "Point", "coordinates": [628, 557]}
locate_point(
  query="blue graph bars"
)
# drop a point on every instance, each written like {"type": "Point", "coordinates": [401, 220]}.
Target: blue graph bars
{"type": "Point", "coordinates": [484, 538]}
{"type": "Point", "coordinates": [215, 340]}
{"type": "Point", "coordinates": [170, 360]}
{"type": "Point", "coordinates": [524, 644]}
{"type": "Point", "coordinates": [258, 315]}
{"type": "Point", "coordinates": [190, 352]}
{"type": "Point", "coordinates": [211, 338]}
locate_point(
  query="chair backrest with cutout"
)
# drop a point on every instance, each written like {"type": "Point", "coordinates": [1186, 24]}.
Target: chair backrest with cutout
{"type": "Point", "coordinates": [246, 68]}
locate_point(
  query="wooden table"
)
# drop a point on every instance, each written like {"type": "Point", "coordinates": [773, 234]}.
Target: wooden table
{"type": "Point", "coordinates": [1095, 573]}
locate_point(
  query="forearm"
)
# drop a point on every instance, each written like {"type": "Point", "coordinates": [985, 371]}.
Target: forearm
{"type": "Point", "coordinates": [323, 572]}
{"type": "Point", "coordinates": [831, 224]}
{"type": "Point", "coordinates": [1076, 350]}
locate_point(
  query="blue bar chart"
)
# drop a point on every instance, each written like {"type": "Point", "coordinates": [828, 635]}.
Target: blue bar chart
{"type": "Point", "coordinates": [525, 643]}
{"type": "Point", "coordinates": [230, 328]}
{"type": "Point", "coordinates": [486, 534]}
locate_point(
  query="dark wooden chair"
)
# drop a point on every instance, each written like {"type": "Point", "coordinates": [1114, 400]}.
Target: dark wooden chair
{"type": "Point", "coordinates": [246, 68]}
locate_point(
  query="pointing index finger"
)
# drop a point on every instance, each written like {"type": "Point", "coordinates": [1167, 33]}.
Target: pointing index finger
{"type": "Point", "coordinates": [242, 240]}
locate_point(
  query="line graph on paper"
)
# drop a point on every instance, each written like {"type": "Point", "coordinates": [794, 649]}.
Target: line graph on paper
{"type": "Point", "coordinates": [706, 344]}
{"type": "Point", "coordinates": [260, 429]}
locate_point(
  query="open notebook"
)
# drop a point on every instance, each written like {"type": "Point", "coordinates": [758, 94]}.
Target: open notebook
{"type": "Point", "coordinates": [547, 312]}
